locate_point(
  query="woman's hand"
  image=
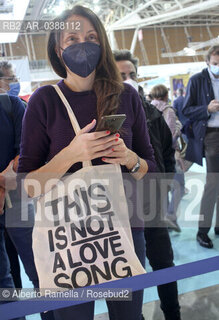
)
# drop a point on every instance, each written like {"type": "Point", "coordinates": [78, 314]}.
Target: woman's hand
{"type": "Point", "coordinates": [87, 146]}
{"type": "Point", "coordinates": [121, 154]}
{"type": "Point", "coordinates": [10, 177]}
{"type": "Point", "coordinates": [8, 182]}
{"type": "Point", "coordinates": [15, 163]}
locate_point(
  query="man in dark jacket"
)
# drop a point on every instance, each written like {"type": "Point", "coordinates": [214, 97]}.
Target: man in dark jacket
{"type": "Point", "coordinates": [201, 106]}
{"type": "Point", "coordinates": [158, 246]}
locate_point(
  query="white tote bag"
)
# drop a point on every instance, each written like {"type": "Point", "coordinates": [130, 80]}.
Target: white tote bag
{"type": "Point", "coordinates": [82, 234]}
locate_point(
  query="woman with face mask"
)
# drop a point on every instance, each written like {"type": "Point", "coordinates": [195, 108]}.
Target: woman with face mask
{"type": "Point", "coordinates": [92, 85]}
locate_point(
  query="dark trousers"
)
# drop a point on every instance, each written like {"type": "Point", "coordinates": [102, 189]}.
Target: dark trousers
{"type": "Point", "coordinates": [14, 261]}
{"type": "Point", "coordinates": [211, 190]}
{"type": "Point", "coordinates": [177, 191]}
{"type": "Point", "coordinates": [6, 280]}
{"type": "Point", "coordinates": [21, 238]}
{"type": "Point", "coordinates": [158, 245]}
{"type": "Point", "coordinates": [160, 255]}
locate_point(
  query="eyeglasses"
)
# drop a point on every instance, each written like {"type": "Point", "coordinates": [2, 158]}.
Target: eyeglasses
{"type": "Point", "coordinates": [10, 79]}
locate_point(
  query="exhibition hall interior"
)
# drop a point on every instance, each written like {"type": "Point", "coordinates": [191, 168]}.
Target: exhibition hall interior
{"type": "Point", "coordinates": [167, 53]}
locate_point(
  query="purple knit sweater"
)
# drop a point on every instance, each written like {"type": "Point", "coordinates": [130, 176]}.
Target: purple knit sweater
{"type": "Point", "coordinates": [47, 128]}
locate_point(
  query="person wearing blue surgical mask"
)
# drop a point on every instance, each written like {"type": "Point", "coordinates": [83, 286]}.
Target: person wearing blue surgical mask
{"type": "Point", "coordinates": [8, 81]}
{"type": "Point", "coordinates": [201, 106]}
{"type": "Point", "coordinates": [14, 88]}
{"type": "Point", "coordinates": [213, 65]}
{"type": "Point", "coordinates": [17, 240]}
{"type": "Point", "coordinates": [11, 116]}
{"type": "Point", "coordinates": [215, 70]}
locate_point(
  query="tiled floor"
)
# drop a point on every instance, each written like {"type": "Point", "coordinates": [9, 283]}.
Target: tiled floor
{"type": "Point", "coordinates": [196, 305]}
{"type": "Point", "coordinates": [186, 249]}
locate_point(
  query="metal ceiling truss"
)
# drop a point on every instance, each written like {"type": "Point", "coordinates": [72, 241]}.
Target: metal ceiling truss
{"type": "Point", "coordinates": [160, 11]}
{"type": "Point", "coordinates": [140, 14]}
{"type": "Point", "coordinates": [192, 49]}
{"type": "Point", "coordinates": [129, 14]}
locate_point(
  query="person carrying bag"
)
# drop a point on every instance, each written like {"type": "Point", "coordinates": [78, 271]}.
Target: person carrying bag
{"type": "Point", "coordinates": [96, 241]}
{"type": "Point", "coordinates": [50, 148]}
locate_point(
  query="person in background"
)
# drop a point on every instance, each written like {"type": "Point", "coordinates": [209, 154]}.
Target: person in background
{"type": "Point", "coordinates": [201, 106]}
{"type": "Point", "coordinates": [10, 130]}
{"type": "Point", "coordinates": [17, 236]}
{"type": "Point", "coordinates": [158, 246]}
{"type": "Point", "coordinates": [178, 105]}
{"type": "Point", "coordinates": [8, 81]}
{"type": "Point", "coordinates": [149, 98]}
{"type": "Point", "coordinates": [160, 101]}
{"type": "Point", "coordinates": [7, 183]}
{"type": "Point", "coordinates": [10, 85]}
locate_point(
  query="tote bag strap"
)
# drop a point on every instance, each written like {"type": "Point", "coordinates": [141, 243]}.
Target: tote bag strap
{"type": "Point", "coordinates": [72, 118]}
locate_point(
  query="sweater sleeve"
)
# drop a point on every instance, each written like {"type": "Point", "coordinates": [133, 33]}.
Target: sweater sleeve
{"type": "Point", "coordinates": [170, 118]}
{"type": "Point", "coordinates": [34, 139]}
{"type": "Point", "coordinates": [141, 141]}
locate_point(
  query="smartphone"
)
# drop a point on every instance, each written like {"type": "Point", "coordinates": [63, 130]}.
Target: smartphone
{"type": "Point", "coordinates": [112, 123]}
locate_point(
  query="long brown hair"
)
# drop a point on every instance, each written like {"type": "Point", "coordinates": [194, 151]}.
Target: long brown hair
{"type": "Point", "coordinates": [108, 83]}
